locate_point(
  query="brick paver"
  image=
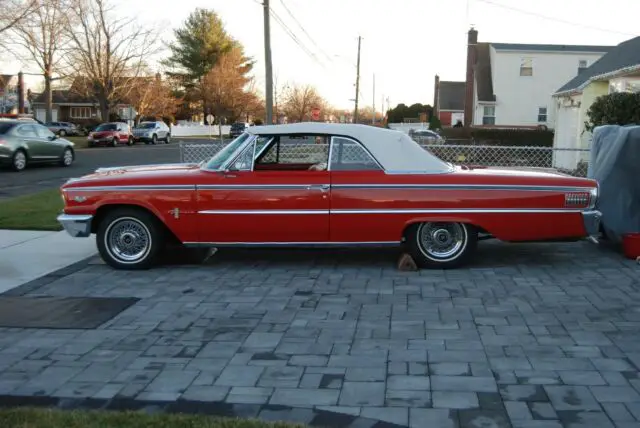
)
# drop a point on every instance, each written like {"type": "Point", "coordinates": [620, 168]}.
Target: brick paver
{"type": "Point", "coordinates": [529, 336]}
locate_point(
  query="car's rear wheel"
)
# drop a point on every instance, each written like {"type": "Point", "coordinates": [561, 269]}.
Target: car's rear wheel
{"type": "Point", "coordinates": [154, 139]}
{"type": "Point", "coordinates": [168, 139]}
{"type": "Point", "coordinates": [130, 238]}
{"type": "Point", "coordinates": [67, 157]}
{"type": "Point", "coordinates": [441, 245]}
{"type": "Point", "coordinates": [19, 160]}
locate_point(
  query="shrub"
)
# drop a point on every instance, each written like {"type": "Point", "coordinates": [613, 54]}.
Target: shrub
{"type": "Point", "coordinates": [499, 136]}
{"type": "Point", "coordinates": [618, 108]}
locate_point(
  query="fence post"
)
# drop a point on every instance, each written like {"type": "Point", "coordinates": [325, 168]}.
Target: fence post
{"type": "Point", "coordinates": [181, 152]}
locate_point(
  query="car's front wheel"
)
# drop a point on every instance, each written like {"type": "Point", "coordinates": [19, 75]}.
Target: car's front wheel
{"type": "Point", "coordinates": [67, 157]}
{"type": "Point", "coordinates": [441, 245]}
{"type": "Point", "coordinates": [62, 133]}
{"type": "Point", "coordinates": [154, 139]}
{"type": "Point", "coordinates": [168, 139]}
{"type": "Point", "coordinates": [114, 142]}
{"type": "Point", "coordinates": [130, 141]}
{"type": "Point", "coordinates": [19, 160]}
{"type": "Point", "coordinates": [130, 238]}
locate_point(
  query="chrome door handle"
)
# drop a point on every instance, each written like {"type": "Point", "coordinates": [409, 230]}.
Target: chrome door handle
{"type": "Point", "coordinates": [321, 187]}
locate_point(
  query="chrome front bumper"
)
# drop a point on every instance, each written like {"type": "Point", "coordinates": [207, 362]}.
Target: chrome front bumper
{"type": "Point", "coordinates": [591, 220]}
{"type": "Point", "coordinates": [78, 226]}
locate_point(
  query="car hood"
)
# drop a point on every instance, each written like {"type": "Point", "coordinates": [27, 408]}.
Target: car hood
{"type": "Point", "coordinates": [139, 174]}
{"type": "Point", "coordinates": [102, 133]}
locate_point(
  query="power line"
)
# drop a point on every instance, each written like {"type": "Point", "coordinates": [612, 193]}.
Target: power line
{"type": "Point", "coordinates": [294, 38]}
{"type": "Point", "coordinates": [304, 31]}
{"type": "Point", "coordinates": [550, 18]}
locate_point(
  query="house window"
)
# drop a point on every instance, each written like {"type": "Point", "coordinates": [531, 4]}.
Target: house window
{"type": "Point", "coordinates": [489, 115]}
{"type": "Point", "coordinates": [582, 65]}
{"type": "Point", "coordinates": [80, 112]}
{"type": "Point", "coordinates": [526, 67]}
{"type": "Point", "coordinates": [542, 114]}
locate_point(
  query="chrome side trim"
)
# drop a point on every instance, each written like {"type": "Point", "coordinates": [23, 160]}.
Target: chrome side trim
{"type": "Point", "coordinates": [460, 211]}
{"type": "Point", "coordinates": [144, 188]}
{"type": "Point", "coordinates": [293, 244]}
{"type": "Point", "coordinates": [115, 168]}
{"type": "Point", "coordinates": [463, 187]}
{"type": "Point", "coordinates": [258, 186]}
{"type": "Point", "coordinates": [78, 226]}
{"type": "Point", "coordinates": [398, 211]}
{"type": "Point", "coordinates": [265, 212]}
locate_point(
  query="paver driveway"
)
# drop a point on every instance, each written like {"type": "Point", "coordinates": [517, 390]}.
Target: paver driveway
{"type": "Point", "coordinates": [529, 336]}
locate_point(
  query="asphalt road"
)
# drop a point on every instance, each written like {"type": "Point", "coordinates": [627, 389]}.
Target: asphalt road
{"type": "Point", "coordinates": [42, 177]}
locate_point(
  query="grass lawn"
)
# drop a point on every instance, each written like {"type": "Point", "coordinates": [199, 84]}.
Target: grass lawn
{"type": "Point", "coordinates": [32, 212]}
{"type": "Point", "coordinates": [48, 418]}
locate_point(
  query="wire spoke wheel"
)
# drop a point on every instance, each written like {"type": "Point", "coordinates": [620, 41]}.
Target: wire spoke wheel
{"type": "Point", "coordinates": [19, 160]}
{"type": "Point", "coordinates": [128, 240]}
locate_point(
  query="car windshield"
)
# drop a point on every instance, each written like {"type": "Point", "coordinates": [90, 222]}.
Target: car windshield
{"type": "Point", "coordinates": [146, 125]}
{"type": "Point", "coordinates": [107, 127]}
{"type": "Point", "coordinates": [219, 159]}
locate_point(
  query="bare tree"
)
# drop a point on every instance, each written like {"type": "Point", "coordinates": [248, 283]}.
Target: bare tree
{"type": "Point", "coordinates": [299, 102]}
{"type": "Point", "coordinates": [43, 35]}
{"type": "Point", "coordinates": [107, 53]}
{"type": "Point", "coordinates": [224, 87]}
{"type": "Point", "coordinates": [152, 97]}
{"type": "Point", "coordinates": [13, 12]}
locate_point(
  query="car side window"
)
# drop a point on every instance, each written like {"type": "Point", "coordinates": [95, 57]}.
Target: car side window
{"type": "Point", "coordinates": [26, 131]}
{"type": "Point", "coordinates": [349, 155]}
{"type": "Point", "coordinates": [44, 132]}
{"type": "Point", "coordinates": [296, 152]}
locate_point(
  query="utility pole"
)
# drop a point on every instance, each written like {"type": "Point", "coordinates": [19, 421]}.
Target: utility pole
{"type": "Point", "coordinates": [355, 113]}
{"type": "Point", "coordinates": [267, 61]}
{"type": "Point", "coordinates": [373, 120]}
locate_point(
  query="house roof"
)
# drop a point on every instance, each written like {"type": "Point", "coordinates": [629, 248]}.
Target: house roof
{"type": "Point", "coordinates": [484, 80]}
{"type": "Point", "coordinates": [551, 48]}
{"type": "Point", "coordinates": [62, 97]}
{"type": "Point", "coordinates": [624, 56]}
{"type": "Point", "coordinates": [451, 95]}
{"type": "Point", "coordinates": [395, 151]}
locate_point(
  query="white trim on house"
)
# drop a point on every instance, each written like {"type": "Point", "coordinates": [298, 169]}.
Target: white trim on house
{"type": "Point", "coordinates": [604, 76]}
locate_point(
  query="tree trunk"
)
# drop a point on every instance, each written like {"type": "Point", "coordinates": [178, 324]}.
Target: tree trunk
{"type": "Point", "coordinates": [48, 96]}
{"type": "Point", "coordinates": [104, 109]}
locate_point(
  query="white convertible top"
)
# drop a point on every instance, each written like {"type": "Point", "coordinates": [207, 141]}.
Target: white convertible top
{"type": "Point", "coordinates": [395, 151]}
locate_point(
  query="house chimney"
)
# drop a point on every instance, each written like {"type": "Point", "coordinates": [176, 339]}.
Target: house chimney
{"type": "Point", "coordinates": [436, 97]}
{"type": "Point", "coordinates": [20, 93]}
{"type": "Point", "coordinates": [472, 41]}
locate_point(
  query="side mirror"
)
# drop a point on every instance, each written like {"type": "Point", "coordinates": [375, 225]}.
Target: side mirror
{"type": "Point", "coordinates": [53, 137]}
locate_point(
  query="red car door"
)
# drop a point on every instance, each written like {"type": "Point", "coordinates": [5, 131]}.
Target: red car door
{"type": "Point", "coordinates": [281, 202]}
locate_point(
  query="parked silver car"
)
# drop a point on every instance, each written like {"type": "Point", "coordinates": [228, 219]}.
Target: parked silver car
{"type": "Point", "coordinates": [64, 128]}
{"type": "Point", "coordinates": [152, 132]}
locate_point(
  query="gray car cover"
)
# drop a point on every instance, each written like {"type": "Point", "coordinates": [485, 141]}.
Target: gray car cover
{"type": "Point", "coordinates": [615, 164]}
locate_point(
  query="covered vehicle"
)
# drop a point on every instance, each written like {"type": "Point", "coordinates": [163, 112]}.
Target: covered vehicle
{"type": "Point", "coordinates": [237, 129]}
{"type": "Point", "coordinates": [152, 132]}
{"type": "Point", "coordinates": [64, 128]}
{"type": "Point", "coordinates": [112, 134]}
{"type": "Point", "coordinates": [319, 185]}
{"type": "Point", "coordinates": [26, 142]}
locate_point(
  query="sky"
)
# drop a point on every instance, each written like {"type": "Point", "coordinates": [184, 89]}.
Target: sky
{"type": "Point", "coordinates": [405, 43]}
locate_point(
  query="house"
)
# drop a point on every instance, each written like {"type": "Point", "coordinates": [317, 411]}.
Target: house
{"type": "Point", "coordinates": [617, 71]}
{"type": "Point", "coordinates": [511, 85]}
{"type": "Point", "coordinates": [448, 101]}
{"type": "Point", "coordinates": [76, 106]}
{"type": "Point", "coordinates": [9, 94]}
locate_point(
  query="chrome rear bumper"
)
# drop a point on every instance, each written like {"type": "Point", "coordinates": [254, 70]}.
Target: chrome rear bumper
{"type": "Point", "coordinates": [591, 220]}
{"type": "Point", "coordinates": [78, 226]}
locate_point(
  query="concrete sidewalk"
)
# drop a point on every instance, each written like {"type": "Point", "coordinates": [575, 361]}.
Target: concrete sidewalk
{"type": "Point", "coordinates": [27, 255]}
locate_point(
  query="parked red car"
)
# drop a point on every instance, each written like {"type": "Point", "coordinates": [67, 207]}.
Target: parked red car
{"type": "Point", "coordinates": [111, 134]}
{"type": "Point", "coordinates": [318, 184]}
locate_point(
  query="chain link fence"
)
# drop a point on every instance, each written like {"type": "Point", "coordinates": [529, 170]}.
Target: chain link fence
{"type": "Point", "coordinates": [566, 160]}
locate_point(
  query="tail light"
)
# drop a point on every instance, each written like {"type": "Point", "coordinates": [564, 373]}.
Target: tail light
{"type": "Point", "coordinates": [577, 199]}
{"type": "Point", "coordinates": [2, 142]}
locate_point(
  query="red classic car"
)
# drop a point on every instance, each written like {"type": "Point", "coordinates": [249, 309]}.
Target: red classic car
{"type": "Point", "coordinates": [317, 184]}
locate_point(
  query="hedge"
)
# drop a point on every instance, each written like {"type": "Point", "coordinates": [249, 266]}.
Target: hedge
{"type": "Point", "coordinates": [499, 136]}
